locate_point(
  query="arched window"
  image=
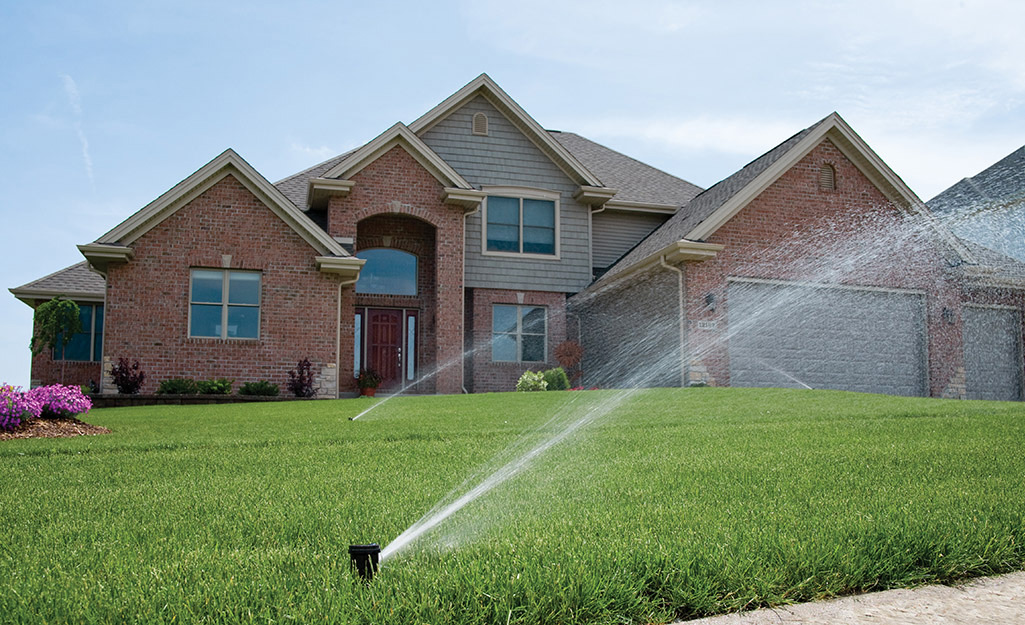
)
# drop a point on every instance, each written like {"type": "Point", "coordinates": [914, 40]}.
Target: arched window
{"type": "Point", "coordinates": [387, 272]}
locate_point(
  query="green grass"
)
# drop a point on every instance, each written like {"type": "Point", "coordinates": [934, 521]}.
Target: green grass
{"type": "Point", "coordinates": [678, 503]}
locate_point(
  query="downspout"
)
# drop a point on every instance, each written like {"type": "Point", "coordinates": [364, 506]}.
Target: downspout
{"type": "Point", "coordinates": [681, 317]}
{"type": "Point", "coordinates": [462, 309]}
{"type": "Point", "coordinates": [338, 336]}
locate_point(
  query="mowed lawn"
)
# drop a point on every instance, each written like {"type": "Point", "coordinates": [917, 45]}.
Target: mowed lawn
{"type": "Point", "coordinates": [672, 503]}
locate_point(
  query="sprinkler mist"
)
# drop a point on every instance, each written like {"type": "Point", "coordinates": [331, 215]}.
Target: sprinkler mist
{"type": "Point", "coordinates": [363, 559]}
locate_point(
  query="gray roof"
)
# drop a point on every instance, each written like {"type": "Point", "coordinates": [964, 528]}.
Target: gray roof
{"type": "Point", "coordinates": [1003, 267]}
{"type": "Point", "coordinates": [702, 206]}
{"type": "Point", "coordinates": [71, 281]}
{"type": "Point", "coordinates": [294, 187]}
{"type": "Point", "coordinates": [998, 186]}
{"type": "Point", "coordinates": [634, 181]}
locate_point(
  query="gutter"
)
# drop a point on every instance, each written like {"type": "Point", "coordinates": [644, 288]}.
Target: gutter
{"type": "Point", "coordinates": [681, 317]}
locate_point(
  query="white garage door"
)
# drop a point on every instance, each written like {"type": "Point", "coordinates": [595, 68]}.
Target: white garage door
{"type": "Point", "coordinates": [789, 335]}
{"type": "Point", "coordinates": [992, 345]}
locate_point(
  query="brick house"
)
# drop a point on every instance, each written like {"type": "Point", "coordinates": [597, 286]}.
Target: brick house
{"type": "Point", "coordinates": [456, 252]}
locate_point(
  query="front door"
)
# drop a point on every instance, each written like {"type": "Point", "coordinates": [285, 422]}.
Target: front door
{"type": "Point", "coordinates": [384, 345]}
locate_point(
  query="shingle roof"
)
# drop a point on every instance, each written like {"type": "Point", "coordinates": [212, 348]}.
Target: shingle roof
{"type": "Point", "coordinates": [997, 266]}
{"type": "Point", "coordinates": [635, 181]}
{"type": "Point", "coordinates": [73, 280]}
{"type": "Point", "coordinates": [997, 186]}
{"type": "Point", "coordinates": [706, 203]}
{"type": "Point", "coordinates": [294, 187]}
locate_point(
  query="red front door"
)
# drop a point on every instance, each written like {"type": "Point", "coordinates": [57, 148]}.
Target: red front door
{"type": "Point", "coordinates": [384, 345]}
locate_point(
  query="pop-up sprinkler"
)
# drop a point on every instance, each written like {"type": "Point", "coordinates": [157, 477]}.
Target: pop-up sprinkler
{"type": "Point", "coordinates": [364, 559]}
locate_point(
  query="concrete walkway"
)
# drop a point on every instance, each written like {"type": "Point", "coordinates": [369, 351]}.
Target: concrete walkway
{"type": "Point", "coordinates": [981, 601]}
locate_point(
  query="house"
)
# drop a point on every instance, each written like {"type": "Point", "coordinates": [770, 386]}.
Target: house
{"type": "Point", "coordinates": [989, 207]}
{"type": "Point", "coordinates": [453, 253]}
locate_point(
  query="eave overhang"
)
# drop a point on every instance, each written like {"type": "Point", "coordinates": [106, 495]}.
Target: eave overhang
{"type": "Point", "coordinates": [101, 255]}
{"type": "Point", "coordinates": [593, 196]}
{"type": "Point", "coordinates": [320, 190]}
{"type": "Point", "coordinates": [468, 199]}
{"type": "Point", "coordinates": [346, 266]}
{"type": "Point", "coordinates": [29, 296]}
{"type": "Point", "coordinates": [673, 254]}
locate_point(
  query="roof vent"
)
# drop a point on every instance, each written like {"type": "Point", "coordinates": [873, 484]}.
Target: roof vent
{"type": "Point", "coordinates": [480, 124]}
{"type": "Point", "coordinates": [827, 177]}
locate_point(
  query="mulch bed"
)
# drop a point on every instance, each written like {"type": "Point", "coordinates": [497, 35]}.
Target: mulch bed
{"type": "Point", "coordinates": [52, 428]}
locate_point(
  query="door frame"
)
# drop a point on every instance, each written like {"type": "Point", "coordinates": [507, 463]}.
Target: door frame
{"type": "Point", "coordinates": [410, 367]}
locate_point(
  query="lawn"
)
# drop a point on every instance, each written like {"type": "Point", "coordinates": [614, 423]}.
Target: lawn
{"type": "Point", "coordinates": [667, 504]}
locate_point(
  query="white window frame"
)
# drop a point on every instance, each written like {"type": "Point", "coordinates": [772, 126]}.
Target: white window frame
{"type": "Point", "coordinates": [224, 305]}
{"type": "Point", "coordinates": [520, 193]}
{"type": "Point", "coordinates": [519, 332]}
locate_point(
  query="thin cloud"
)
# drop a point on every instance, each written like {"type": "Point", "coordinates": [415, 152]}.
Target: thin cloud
{"type": "Point", "coordinates": [727, 135]}
{"type": "Point", "coordinates": [75, 100]}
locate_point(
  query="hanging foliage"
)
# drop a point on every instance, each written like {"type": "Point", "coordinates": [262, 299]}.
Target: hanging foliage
{"type": "Point", "coordinates": [56, 323]}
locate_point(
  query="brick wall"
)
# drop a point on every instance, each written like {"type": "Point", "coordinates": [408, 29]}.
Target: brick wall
{"type": "Point", "coordinates": [396, 185]}
{"type": "Point", "coordinates": [490, 376]}
{"type": "Point", "coordinates": [225, 227]}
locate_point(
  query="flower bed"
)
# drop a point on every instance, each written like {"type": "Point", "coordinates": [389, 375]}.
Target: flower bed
{"type": "Point", "coordinates": [54, 401]}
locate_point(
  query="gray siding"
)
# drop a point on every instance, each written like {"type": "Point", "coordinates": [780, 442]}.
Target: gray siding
{"type": "Point", "coordinates": [614, 233]}
{"type": "Point", "coordinates": [631, 337]}
{"type": "Point", "coordinates": [507, 157]}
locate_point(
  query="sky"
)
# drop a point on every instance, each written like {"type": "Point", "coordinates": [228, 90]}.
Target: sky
{"type": "Point", "coordinates": [106, 105]}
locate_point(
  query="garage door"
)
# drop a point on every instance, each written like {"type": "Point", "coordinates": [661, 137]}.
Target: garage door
{"type": "Point", "coordinates": [992, 341]}
{"type": "Point", "coordinates": [787, 335]}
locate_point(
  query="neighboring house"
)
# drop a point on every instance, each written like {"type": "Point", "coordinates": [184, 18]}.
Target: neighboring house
{"type": "Point", "coordinates": [989, 207]}
{"type": "Point", "coordinates": [456, 252]}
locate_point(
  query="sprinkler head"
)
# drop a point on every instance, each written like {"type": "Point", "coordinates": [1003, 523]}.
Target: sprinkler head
{"type": "Point", "coordinates": [363, 560]}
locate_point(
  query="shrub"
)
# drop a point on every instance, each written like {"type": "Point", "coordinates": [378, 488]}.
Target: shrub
{"type": "Point", "coordinates": [556, 379]}
{"type": "Point", "coordinates": [127, 377]}
{"type": "Point", "coordinates": [58, 400]}
{"type": "Point", "coordinates": [219, 386]}
{"type": "Point", "coordinates": [300, 379]}
{"type": "Point", "coordinates": [177, 386]}
{"type": "Point", "coordinates": [532, 381]}
{"type": "Point", "coordinates": [262, 387]}
{"type": "Point", "coordinates": [368, 378]}
{"type": "Point", "coordinates": [16, 407]}
{"type": "Point", "coordinates": [569, 354]}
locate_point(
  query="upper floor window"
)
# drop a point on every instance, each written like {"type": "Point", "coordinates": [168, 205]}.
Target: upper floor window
{"type": "Point", "coordinates": [87, 345]}
{"type": "Point", "coordinates": [525, 224]}
{"type": "Point", "coordinates": [387, 272]}
{"type": "Point", "coordinates": [518, 333]}
{"type": "Point", "coordinates": [224, 304]}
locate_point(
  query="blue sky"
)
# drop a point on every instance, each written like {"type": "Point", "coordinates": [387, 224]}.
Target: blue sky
{"type": "Point", "coordinates": [106, 105]}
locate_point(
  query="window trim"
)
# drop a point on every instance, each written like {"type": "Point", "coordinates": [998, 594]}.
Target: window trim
{"type": "Point", "coordinates": [91, 331]}
{"type": "Point", "coordinates": [520, 193]}
{"type": "Point", "coordinates": [224, 305]}
{"type": "Point", "coordinates": [416, 272]}
{"type": "Point", "coordinates": [519, 333]}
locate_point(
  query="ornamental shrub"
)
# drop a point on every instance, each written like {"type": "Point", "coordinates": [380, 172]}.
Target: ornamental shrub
{"type": "Point", "coordinates": [127, 376]}
{"type": "Point", "coordinates": [263, 387]}
{"type": "Point", "coordinates": [58, 400]}
{"type": "Point", "coordinates": [556, 379]}
{"type": "Point", "coordinates": [300, 379]}
{"type": "Point", "coordinates": [177, 386]}
{"type": "Point", "coordinates": [532, 381]}
{"type": "Point", "coordinates": [220, 386]}
{"type": "Point", "coordinates": [16, 407]}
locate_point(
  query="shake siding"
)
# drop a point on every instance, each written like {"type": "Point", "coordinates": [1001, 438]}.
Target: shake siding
{"type": "Point", "coordinates": [507, 158]}
{"type": "Point", "coordinates": [615, 233]}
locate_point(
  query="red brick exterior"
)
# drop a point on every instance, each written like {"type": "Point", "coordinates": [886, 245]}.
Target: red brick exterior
{"type": "Point", "coordinates": [852, 235]}
{"type": "Point", "coordinates": [397, 188]}
{"type": "Point", "coordinates": [147, 306]}
{"type": "Point", "coordinates": [490, 376]}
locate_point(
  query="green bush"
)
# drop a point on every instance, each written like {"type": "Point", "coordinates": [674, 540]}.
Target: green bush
{"type": "Point", "coordinates": [557, 379]}
{"type": "Point", "coordinates": [220, 386]}
{"type": "Point", "coordinates": [532, 381]}
{"type": "Point", "coordinates": [262, 387]}
{"type": "Point", "coordinates": [177, 386]}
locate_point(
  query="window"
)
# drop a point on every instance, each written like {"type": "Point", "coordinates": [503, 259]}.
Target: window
{"type": "Point", "coordinates": [522, 225]}
{"type": "Point", "coordinates": [518, 333]}
{"type": "Point", "coordinates": [224, 304]}
{"type": "Point", "coordinates": [87, 345]}
{"type": "Point", "coordinates": [387, 272]}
